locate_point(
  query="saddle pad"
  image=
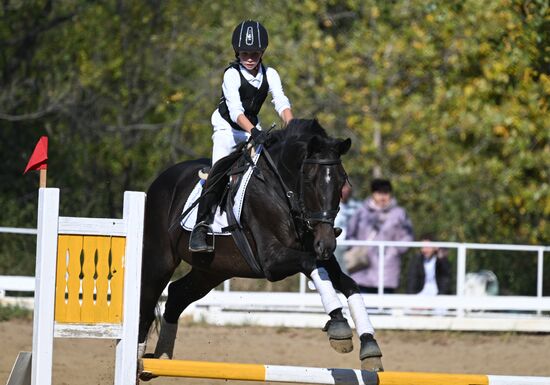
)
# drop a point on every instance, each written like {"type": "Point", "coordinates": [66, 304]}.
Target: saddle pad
{"type": "Point", "coordinates": [220, 219]}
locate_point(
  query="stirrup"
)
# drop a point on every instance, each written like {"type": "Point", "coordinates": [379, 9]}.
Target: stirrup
{"type": "Point", "coordinates": [206, 248]}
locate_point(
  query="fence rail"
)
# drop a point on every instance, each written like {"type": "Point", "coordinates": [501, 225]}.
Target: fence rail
{"type": "Point", "coordinates": [393, 311]}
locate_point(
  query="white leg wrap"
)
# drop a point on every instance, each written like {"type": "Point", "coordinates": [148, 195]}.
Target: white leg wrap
{"type": "Point", "coordinates": [167, 337]}
{"type": "Point", "coordinates": [324, 287]}
{"type": "Point", "coordinates": [141, 349]}
{"type": "Point", "coordinates": [359, 315]}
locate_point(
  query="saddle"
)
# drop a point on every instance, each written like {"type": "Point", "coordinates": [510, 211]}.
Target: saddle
{"type": "Point", "coordinates": [227, 218]}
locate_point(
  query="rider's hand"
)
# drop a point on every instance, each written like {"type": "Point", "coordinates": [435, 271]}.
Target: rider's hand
{"type": "Point", "coordinates": [258, 136]}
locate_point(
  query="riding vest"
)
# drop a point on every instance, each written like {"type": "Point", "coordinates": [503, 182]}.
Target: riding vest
{"type": "Point", "coordinates": [252, 98]}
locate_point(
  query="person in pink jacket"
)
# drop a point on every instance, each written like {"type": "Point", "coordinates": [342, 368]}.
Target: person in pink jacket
{"type": "Point", "coordinates": [380, 218]}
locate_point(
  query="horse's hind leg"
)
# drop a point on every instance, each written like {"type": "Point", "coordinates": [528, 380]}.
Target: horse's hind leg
{"type": "Point", "coordinates": [157, 269]}
{"type": "Point", "coordinates": [181, 293]}
{"type": "Point", "coordinates": [370, 353]}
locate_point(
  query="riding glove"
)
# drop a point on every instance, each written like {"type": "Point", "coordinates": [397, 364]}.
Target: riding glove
{"type": "Point", "coordinates": [258, 136]}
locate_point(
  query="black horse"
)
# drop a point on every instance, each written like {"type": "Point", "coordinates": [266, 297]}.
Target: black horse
{"type": "Point", "coordinates": [288, 219]}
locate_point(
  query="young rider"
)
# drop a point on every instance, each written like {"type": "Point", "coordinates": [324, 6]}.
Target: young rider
{"type": "Point", "coordinates": [246, 83]}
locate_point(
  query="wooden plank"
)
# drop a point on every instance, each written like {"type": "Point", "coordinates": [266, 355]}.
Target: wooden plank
{"type": "Point", "coordinates": [118, 245]}
{"type": "Point", "coordinates": [21, 371]}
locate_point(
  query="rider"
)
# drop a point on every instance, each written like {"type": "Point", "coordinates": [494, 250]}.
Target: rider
{"type": "Point", "coordinates": [246, 83]}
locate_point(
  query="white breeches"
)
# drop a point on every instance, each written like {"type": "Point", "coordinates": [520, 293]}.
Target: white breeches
{"type": "Point", "coordinates": [224, 137]}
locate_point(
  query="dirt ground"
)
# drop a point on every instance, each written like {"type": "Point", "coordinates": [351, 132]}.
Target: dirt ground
{"type": "Point", "coordinates": [90, 362]}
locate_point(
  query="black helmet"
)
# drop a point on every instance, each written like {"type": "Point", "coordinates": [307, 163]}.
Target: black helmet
{"type": "Point", "coordinates": [249, 36]}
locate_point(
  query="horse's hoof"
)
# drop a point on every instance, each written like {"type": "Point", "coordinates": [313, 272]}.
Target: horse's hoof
{"type": "Point", "coordinates": [370, 354]}
{"type": "Point", "coordinates": [372, 364]}
{"type": "Point", "coordinates": [145, 376]}
{"type": "Point", "coordinates": [339, 334]}
{"type": "Point", "coordinates": [341, 346]}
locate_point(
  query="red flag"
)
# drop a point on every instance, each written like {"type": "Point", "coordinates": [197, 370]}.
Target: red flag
{"type": "Point", "coordinates": [39, 157]}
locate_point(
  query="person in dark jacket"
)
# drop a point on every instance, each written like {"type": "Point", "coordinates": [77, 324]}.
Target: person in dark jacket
{"type": "Point", "coordinates": [429, 272]}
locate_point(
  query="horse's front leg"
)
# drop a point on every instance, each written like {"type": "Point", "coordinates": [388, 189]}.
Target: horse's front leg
{"type": "Point", "coordinates": [288, 262]}
{"type": "Point", "coordinates": [370, 353]}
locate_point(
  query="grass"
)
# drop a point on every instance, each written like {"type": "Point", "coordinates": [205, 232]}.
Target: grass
{"type": "Point", "coordinates": [10, 312]}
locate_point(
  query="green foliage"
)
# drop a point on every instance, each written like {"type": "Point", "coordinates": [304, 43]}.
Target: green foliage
{"type": "Point", "coordinates": [448, 99]}
{"type": "Point", "coordinates": [9, 312]}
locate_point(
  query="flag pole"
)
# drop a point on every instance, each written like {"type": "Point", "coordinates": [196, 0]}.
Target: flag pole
{"type": "Point", "coordinates": [43, 177]}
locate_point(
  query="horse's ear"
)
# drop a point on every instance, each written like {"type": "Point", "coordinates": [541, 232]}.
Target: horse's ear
{"type": "Point", "coordinates": [344, 146]}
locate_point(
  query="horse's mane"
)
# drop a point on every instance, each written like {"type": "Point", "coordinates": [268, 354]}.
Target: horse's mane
{"type": "Point", "coordinates": [299, 130]}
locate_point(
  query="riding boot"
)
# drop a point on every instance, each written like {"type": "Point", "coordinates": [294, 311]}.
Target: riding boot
{"type": "Point", "coordinates": [198, 240]}
{"type": "Point", "coordinates": [205, 214]}
{"type": "Point", "coordinates": [215, 184]}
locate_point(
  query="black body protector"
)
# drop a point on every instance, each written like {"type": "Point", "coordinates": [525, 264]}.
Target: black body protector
{"type": "Point", "coordinates": [252, 98]}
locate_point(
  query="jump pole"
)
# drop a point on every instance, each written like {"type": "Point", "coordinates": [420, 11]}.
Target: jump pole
{"type": "Point", "coordinates": [311, 375]}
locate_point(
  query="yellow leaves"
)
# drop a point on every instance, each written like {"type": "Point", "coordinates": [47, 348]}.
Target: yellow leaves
{"type": "Point", "coordinates": [484, 48]}
{"type": "Point", "coordinates": [468, 90]}
{"type": "Point", "coordinates": [545, 82]}
{"type": "Point", "coordinates": [496, 71]}
{"type": "Point", "coordinates": [374, 12]}
{"type": "Point", "coordinates": [353, 121]}
{"type": "Point", "coordinates": [311, 6]}
{"type": "Point", "coordinates": [500, 130]}
{"type": "Point", "coordinates": [175, 97]}
{"type": "Point", "coordinates": [392, 148]}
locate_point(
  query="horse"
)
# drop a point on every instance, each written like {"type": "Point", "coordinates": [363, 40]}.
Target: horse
{"type": "Point", "coordinates": [288, 219]}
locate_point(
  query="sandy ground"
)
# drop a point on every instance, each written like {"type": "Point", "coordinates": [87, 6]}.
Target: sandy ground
{"type": "Point", "coordinates": [90, 362]}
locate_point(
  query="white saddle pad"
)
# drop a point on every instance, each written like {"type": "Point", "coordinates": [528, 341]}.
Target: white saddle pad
{"type": "Point", "coordinates": [220, 219]}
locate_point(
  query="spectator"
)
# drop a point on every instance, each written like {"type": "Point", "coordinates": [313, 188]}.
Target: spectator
{"type": "Point", "coordinates": [379, 219]}
{"type": "Point", "coordinates": [348, 207]}
{"type": "Point", "coordinates": [429, 272]}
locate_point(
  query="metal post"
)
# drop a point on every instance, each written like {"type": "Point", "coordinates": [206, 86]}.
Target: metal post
{"type": "Point", "coordinates": [381, 258]}
{"type": "Point", "coordinates": [460, 274]}
{"type": "Point", "coordinates": [540, 269]}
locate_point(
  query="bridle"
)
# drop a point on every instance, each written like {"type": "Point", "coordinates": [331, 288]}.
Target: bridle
{"type": "Point", "coordinates": [313, 218]}
{"type": "Point", "coordinates": [300, 213]}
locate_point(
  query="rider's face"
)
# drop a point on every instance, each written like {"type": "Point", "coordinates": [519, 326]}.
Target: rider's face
{"type": "Point", "coordinates": [250, 60]}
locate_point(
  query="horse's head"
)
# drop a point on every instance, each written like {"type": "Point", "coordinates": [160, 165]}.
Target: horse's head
{"type": "Point", "coordinates": [323, 177]}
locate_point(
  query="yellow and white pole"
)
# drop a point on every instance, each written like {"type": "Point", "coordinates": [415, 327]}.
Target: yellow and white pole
{"type": "Point", "coordinates": [310, 375]}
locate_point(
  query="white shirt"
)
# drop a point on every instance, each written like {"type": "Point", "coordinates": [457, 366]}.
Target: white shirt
{"type": "Point", "coordinates": [430, 283]}
{"type": "Point", "coordinates": [232, 83]}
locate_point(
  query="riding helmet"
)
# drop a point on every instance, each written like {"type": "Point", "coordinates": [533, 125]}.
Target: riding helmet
{"type": "Point", "coordinates": [249, 36]}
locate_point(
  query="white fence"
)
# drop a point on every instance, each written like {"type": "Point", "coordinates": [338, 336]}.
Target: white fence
{"type": "Point", "coordinates": [388, 311]}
